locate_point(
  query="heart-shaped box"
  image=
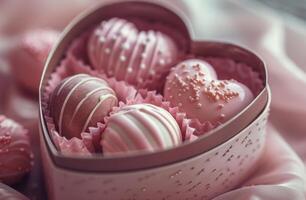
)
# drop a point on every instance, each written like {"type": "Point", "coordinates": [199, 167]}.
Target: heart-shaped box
{"type": "Point", "coordinates": [202, 169]}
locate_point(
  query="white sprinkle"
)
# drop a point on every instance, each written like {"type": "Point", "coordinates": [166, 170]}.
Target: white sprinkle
{"type": "Point", "coordinates": [98, 32]}
{"type": "Point", "coordinates": [125, 46]}
{"type": "Point", "coordinates": [124, 32]}
{"type": "Point", "coordinates": [122, 58]}
{"type": "Point", "coordinates": [101, 39]}
{"type": "Point", "coordinates": [142, 66]}
{"type": "Point", "coordinates": [161, 61]}
{"type": "Point", "coordinates": [107, 51]}
{"type": "Point", "coordinates": [129, 70]}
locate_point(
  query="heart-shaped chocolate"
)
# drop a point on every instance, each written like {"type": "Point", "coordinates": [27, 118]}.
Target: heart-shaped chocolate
{"type": "Point", "coordinates": [141, 58]}
{"type": "Point", "coordinates": [193, 86]}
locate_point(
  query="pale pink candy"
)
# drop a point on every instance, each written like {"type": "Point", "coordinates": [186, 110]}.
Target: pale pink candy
{"type": "Point", "coordinates": [140, 127]}
{"type": "Point", "coordinates": [15, 151]}
{"type": "Point", "coordinates": [193, 87]}
{"type": "Point", "coordinates": [141, 58]}
{"type": "Point", "coordinates": [28, 56]}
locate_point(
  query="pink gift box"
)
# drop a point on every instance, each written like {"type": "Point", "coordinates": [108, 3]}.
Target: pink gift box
{"type": "Point", "coordinates": [213, 164]}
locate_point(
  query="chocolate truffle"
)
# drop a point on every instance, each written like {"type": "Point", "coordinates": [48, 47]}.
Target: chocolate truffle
{"type": "Point", "coordinates": [16, 158]}
{"type": "Point", "coordinates": [193, 87]}
{"type": "Point", "coordinates": [79, 102]}
{"type": "Point", "coordinates": [28, 55]}
{"type": "Point", "coordinates": [141, 58]}
{"type": "Point", "coordinates": [140, 127]}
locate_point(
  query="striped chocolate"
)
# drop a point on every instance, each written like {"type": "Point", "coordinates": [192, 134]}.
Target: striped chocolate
{"type": "Point", "coordinates": [140, 127]}
{"type": "Point", "coordinates": [119, 49]}
{"type": "Point", "coordinates": [79, 102]}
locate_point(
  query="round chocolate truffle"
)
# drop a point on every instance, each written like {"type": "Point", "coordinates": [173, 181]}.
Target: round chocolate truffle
{"type": "Point", "coordinates": [79, 102]}
{"type": "Point", "coordinates": [193, 87]}
{"type": "Point", "coordinates": [16, 158]}
{"type": "Point", "coordinates": [28, 55]}
{"type": "Point", "coordinates": [140, 127]}
{"type": "Point", "coordinates": [141, 58]}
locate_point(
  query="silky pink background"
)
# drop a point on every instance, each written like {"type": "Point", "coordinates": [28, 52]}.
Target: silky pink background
{"type": "Point", "coordinates": [279, 40]}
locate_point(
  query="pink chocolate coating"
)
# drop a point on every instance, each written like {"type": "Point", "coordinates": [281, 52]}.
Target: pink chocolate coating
{"type": "Point", "coordinates": [193, 87]}
{"type": "Point", "coordinates": [142, 58]}
{"type": "Point", "coordinates": [79, 102]}
{"type": "Point", "coordinates": [28, 56]}
{"type": "Point", "coordinates": [16, 158]}
{"type": "Point", "coordinates": [140, 127]}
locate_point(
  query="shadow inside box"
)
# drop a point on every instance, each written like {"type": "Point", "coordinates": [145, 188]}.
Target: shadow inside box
{"type": "Point", "coordinates": [23, 108]}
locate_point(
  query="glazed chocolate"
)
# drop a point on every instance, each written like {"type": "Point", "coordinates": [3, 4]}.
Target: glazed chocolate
{"type": "Point", "coordinates": [141, 58]}
{"type": "Point", "coordinates": [193, 87]}
{"type": "Point", "coordinates": [16, 158]}
{"type": "Point", "coordinates": [140, 127]}
{"type": "Point", "coordinates": [79, 102]}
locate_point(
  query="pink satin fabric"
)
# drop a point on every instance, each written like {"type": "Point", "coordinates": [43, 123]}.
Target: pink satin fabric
{"type": "Point", "coordinates": [280, 41]}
